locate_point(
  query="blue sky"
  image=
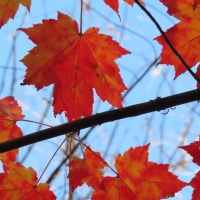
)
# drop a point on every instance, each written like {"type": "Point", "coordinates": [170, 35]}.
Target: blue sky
{"type": "Point", "coordinates": [164, 132]}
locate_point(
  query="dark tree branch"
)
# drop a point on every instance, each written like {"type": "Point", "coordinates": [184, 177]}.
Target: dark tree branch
{"type": "Point", "coordinates": [100, 118]}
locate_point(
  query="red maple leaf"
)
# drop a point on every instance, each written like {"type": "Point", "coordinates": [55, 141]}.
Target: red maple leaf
{"type": "Point", "coordinates": [8, 9]}
{"type": "Point", "coordinates": [18, 183]}
{"type": "Point", "coordinates": [184, 36]}
{"type": "Point", "coordinates": [195, 183]}
{"type": "Point", "coordinates": [86, 170]}
{"type": "Point", "coordinates": [10, 112]}
{"type": "Point", "coordinates": [194, 150]}
{"type": "Point", "coordinates": [77, 62]}
{"type": "Point", "coordinates": [138, 179]}
{"type": "Point", "coordinates": [114, 4]}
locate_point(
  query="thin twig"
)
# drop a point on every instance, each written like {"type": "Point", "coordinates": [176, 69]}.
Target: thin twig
{"type": "Point", "coordinates": [81, 16]}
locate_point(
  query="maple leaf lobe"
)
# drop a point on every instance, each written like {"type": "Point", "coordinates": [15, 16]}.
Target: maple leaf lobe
{"type": "Point", "coordinates": [86, 170]}
{"type": "Point", "coordinates": [52, 38]}
{"type": "Point", "coordinates": [195, 183]}
{"type": "Point", "coordinates": [18, 182]}
{"type": "Point", "coordinates": [194, 150]}
{"type": "Point", "coordinates": [9, 8]}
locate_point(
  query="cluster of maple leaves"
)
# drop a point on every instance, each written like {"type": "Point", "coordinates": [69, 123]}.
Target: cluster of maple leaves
{"type": "Point", "coordinates": [76, 63]}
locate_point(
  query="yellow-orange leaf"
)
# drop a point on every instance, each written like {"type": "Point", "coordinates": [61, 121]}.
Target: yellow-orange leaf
{"type": "Point", "coordinates": [18, 183]}
{"type": "Point", "coordinates": [75, 63]}
{"type": "Point", "coordinates": [8, 9]}
{"type": "Point", "coordinates": [10, 112]}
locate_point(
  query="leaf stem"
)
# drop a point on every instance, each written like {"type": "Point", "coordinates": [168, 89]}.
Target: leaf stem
{"type": "Point", "coordinates": [50, 161]}
{"type": "Point", "coordinates": [168, 41]}
{"type": "Point", "coordinates": [26, 120]}
{"type": "Point", "coordinates": [81, 17]}
{"type": "Point", "coordinates": [45, 168]}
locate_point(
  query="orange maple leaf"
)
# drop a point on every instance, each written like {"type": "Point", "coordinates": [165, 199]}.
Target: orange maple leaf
{"type": "Point", "coordinates": [86, 170]}
{"type": "Point", "coordinates": [194, 150]}
{"type": "Point", "coordinates": [8, 9]}
{"type": "Point", "coordinates": [114, 4]}
{"type": "Point", "coordinates": [77, 62]}
{"type": "Point", "coordinates": [18, 182]}
{"type": "Point", "coordinates": [184, 36]}
{"type": "Point", "coordinates": [10, 112]}
{"type": "Point", "coordinates": [138, 179]}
